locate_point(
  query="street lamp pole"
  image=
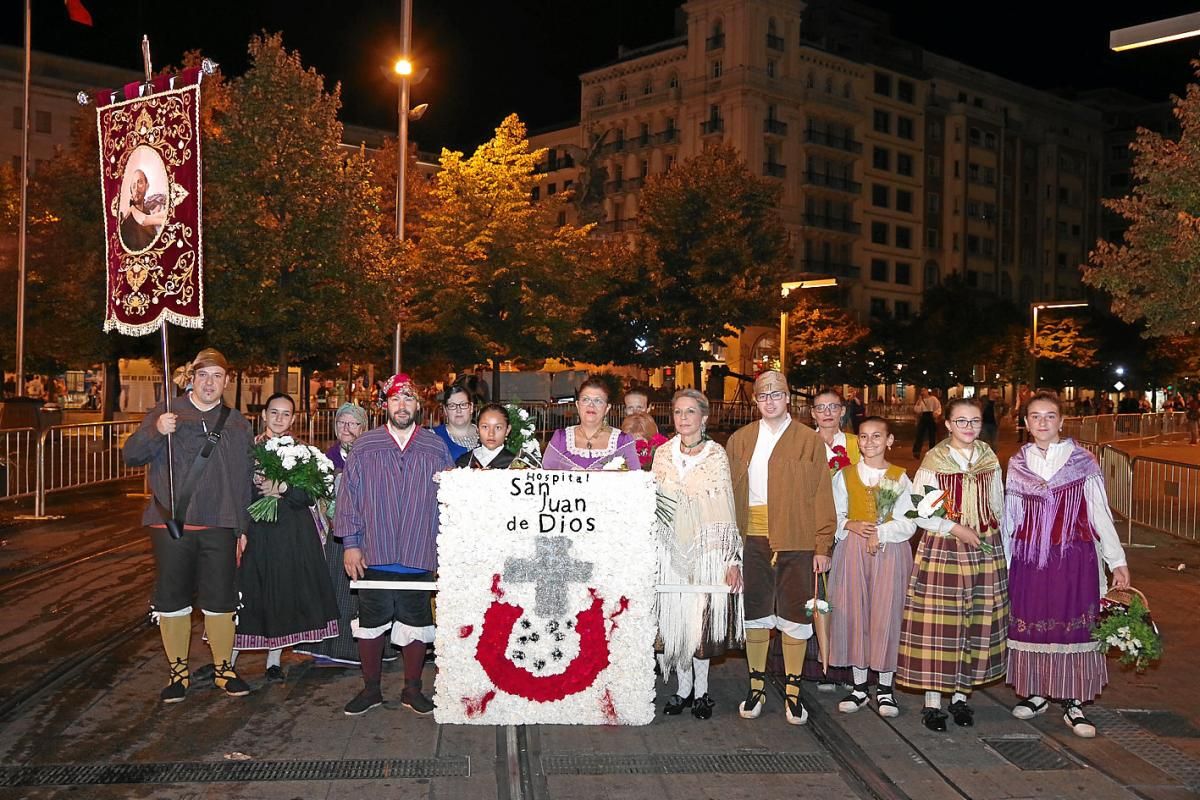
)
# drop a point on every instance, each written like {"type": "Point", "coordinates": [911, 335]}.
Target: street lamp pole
{"type": "Point", "coordinates": [787, 288]}
{"type": "Point", "coordinates": [403, 70]}
{"type": "Point", "coordinates": [1034, 308]}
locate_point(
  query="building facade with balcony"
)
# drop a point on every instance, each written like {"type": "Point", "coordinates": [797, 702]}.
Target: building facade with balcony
{"type": "Point", "coordinates": [897, 167]}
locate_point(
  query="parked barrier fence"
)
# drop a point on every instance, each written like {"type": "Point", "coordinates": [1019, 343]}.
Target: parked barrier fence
{"type": "Point", "coordinates": [18, 462]}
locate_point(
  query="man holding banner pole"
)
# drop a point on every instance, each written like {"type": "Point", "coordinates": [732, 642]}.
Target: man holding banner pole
{"type": "Point", "coordinates": [387, 518]}
{"type": "Point", "coordinates": [211, 456]}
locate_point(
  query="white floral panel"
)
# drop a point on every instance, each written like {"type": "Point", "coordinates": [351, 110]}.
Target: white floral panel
{"type": "Point", "coordinates": [546, 598]}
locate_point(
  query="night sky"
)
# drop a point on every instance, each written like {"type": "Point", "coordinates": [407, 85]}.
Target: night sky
{"type": "Point", "coordinates": [486, 60]}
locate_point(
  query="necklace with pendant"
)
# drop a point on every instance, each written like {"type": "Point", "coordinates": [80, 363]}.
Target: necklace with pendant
{"type": "Point", "coordinates": [588, 439]}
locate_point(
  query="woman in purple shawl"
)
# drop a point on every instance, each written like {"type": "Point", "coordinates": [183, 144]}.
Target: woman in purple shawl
{"type": "Point", "coordinates": [593, 443]}
{"type": "Point", "coordinates": [1057, 528]}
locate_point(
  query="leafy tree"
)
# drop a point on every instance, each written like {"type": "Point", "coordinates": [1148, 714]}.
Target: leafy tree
{"type": "Point", "coordinates": [824, 342]}
{"type": "Point", "coordinates": [10, 211]}
{"type": "Point", "coordinates": [1067, 341]}
{"type": "Point", "coordinates": [493, 276]}
{"type": "Point", "coordinates": [710, 261]}
{"type": "Point", "coordinates": [300, 264]}
{"type": "Point", "coordinates": [1152, 275]}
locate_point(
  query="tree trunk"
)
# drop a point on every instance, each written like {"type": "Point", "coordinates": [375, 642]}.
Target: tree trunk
{"type": "Point", "coordinates": [697, 382]}
{"type": "Point", "coordinates": [496, 379]}
{"type": "Point", "coordinates": [237, 392]}
{"type": "Point", "coordinates": [281, 377]}
{"type": "Point", "coordinates": [305, 399]}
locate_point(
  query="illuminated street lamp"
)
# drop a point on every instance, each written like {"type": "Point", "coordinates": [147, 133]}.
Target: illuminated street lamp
{"type": "Point", "coordinates": [1157, 32]}
{"type": "Point", "coordinates": [1034, 308]}
{"type": "Point", "coordinates": [787, 288]}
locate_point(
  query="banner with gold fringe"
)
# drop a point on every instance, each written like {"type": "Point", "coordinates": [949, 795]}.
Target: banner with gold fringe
{"type": "Point", "coordinates": [150, 178]}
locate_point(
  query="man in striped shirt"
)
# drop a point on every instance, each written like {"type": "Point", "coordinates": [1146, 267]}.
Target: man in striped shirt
{"type": "Point", "coordinates": [387, 518]}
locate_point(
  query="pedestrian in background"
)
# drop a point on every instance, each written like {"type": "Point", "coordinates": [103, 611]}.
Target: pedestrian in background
{"type": "Point", "coordinates": [927, 408]}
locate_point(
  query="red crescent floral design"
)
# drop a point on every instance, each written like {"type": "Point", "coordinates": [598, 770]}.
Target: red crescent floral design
{"type": "Point", "coordinates": [498, 623]}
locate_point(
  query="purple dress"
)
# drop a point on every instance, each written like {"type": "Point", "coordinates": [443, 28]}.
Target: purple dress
{"type": "Point", "coordinates": [562, 453]}
{"type": "Point", "coordinates": [1053, 582]}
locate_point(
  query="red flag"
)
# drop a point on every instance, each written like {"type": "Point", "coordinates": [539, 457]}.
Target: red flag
{"type": "Point", "coordinates": [77, 12]}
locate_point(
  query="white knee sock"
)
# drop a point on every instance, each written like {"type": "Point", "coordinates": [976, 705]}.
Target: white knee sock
{"type": "Point", "coordinates": [959, 697]}
{"type": "Point", "coordinates": [886, 681]}
{"type": "Point", "coordinates": [860, 675]}
{"type": "Point", "coordinates": [273, 657]}
{"type": "Point", "coordinates": [700, 676]}
{"type": "Point", "coordinates": [232, 659]}
{"type": "Point", "coordinates": [933, 700]}
{"type": "Point", "coordinates": [683, 675]}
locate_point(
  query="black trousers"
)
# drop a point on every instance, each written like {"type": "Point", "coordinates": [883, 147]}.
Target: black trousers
{"type": "Point", "coordinates": [926, 428]}
{"type": "Point", "coordinates": [200, 564]}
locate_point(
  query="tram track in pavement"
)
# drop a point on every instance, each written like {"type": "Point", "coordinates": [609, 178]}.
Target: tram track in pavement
{"type": "Point", "coordinates": [519, 775]}
{"type": "Point", "coordinates": [57, 629]}
{"type": "Point", "coordinates": [42, 572]}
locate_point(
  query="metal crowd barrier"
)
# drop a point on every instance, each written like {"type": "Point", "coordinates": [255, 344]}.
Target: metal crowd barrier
{"type": "Point", "coordinates": [1165, 496]}
{"type": "Point", "coordinates": [18, 462]}
{"type": "Point", "coordinates": [1142, 490]}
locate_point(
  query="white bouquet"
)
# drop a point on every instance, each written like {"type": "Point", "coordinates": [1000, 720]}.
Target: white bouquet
{"type": "Point", "coordinates": [284, 460]}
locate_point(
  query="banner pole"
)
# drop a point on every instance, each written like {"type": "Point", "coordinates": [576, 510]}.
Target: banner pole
{"type": "Point", "coordinates": [148, 88]}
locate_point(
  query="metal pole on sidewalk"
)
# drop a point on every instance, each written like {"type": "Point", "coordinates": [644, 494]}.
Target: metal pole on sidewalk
{"type": "Point", "coordinates": [21, 224]}
{"type": "Point", "coordinates": [402, 150]}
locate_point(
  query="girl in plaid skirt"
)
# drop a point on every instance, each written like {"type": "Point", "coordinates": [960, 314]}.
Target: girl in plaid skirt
{"type": "Point", "coordinates": [954, 633]}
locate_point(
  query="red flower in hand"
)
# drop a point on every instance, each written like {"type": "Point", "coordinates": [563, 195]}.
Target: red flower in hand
{"type": "Point", "coordinates": [645, 449]}
{"type": "Point", "coordinates": [840, 459]}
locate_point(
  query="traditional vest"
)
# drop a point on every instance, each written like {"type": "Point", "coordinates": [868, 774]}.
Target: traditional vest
{"type": "Point", "coordinates": [1053, 512]}
{"type": "Point", "coordinates": [969, 491]}
{"type": "Point", "coordinates": [862, 499]}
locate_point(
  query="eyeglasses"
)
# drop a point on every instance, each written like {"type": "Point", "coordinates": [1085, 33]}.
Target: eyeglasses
{"type": "Point", "coordinates": [457, 406]}
{"type": "Point", "coordinates": [765, 396]}
{"type": "Point", "coordinates": [828, 407]}
{"type": "Point", "coordinates": [594, 402]}
{"type": "Point", "coordinates": [963, 422]}
{"type": "Point", "coordinates": [348, 424]}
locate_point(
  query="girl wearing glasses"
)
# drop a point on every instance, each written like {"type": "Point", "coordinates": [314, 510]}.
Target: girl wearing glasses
{"type": "Point", "coordinates": [955, 630]}
{"type": "Point", "coordinates": [1061, 535]}
{"type": "Point", "coordinates": [458, 431]}
{"type": "Point", "coordinates": [593, 443]}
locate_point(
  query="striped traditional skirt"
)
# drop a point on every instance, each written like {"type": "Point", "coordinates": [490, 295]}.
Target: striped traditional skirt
{"type": "Point", "coordinates": [1054, 607]}
{"type": "Point", "coordinates": [955, 627]}
{"type": "Point", "coordinates": [866, 593]}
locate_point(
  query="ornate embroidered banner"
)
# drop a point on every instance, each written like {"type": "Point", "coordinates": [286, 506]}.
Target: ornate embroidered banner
{"type": "Point", "coordinates": [150, 183]}
{"type": "Point", "coordinates": [545, 608]}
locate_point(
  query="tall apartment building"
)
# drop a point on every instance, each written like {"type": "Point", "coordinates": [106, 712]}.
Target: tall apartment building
{"type": "Point", "coordinates": [897, 167]}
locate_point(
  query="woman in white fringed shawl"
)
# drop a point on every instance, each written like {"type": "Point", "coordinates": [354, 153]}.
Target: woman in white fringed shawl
{"type": "Point", "coordinates": [699, 546]}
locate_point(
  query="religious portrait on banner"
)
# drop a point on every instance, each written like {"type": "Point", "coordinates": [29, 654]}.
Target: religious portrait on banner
{"type": "Point", "coordinates": [143, 200]}
{"type": "Point", "coordinates": [150, 173]}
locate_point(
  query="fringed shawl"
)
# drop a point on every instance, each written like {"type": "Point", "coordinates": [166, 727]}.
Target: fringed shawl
{"type": "Point", "coordinates": [1049, 513]}
{"type": "Point", "coordinates": [970, 490]}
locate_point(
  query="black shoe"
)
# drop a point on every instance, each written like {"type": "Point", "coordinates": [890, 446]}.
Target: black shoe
{"type": "Point", "coordinates": [227, 680]}
{"type": "Point", "coordinates": [412, 699]}
{"type": "Point", "coordinates": [275, 674]}
{"type": "Point", "coordinates": [364, 701]}
{"type": "Point", "coordinates": [934, 720]}
{"type": "Point", "coordinates": [176, 690]}
{"type": "Point", "coordinates": [962, 713]}
{"type": "Point", "coordinates": [703, 707]}
{"type": "Point", "coordinates": [677, 704]}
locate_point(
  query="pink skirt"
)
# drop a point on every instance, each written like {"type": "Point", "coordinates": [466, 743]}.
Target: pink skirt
{"type": "Point", "coordinates": [866, 593]}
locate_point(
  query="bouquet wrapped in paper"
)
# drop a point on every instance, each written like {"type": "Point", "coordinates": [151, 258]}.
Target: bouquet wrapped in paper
{"type": "Point", "coordinates": [284, 460]}
{"type": "Point", "coordinates": [522, 438]}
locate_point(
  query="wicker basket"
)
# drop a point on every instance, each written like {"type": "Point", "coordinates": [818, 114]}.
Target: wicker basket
{"type": "Point", "coordinates": [1125, 596]}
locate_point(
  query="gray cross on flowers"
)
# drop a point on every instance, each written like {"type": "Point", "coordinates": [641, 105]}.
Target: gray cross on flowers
{"type": "Point", "coordinates": [551, 569]}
